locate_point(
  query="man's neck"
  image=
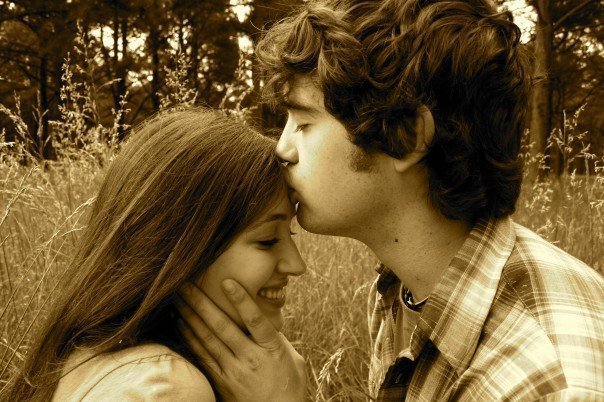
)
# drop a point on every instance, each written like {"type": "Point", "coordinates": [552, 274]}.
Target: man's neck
{"type": "Point", "coordinates": [417, 246]}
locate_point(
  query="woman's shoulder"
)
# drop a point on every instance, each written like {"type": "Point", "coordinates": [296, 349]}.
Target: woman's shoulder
{"type": "Point", "coordinates": [143, 372]}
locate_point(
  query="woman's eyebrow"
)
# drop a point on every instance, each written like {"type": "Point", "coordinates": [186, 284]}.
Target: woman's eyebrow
{"type": "Point", "coordinates": [269, 219]}
{"type": "Point", "coordinates": [275, 217]}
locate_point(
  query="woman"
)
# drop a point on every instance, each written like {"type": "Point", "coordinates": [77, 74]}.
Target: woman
{"type": "Point", "coordinates": [193, 196]}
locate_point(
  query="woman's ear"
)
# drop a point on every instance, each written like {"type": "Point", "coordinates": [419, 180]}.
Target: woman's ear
{"type": "Point", "coordinates": [424, 130]}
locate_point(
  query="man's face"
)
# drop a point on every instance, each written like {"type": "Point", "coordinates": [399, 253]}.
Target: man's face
{"type": "Point", "coordinates": [337, 187]}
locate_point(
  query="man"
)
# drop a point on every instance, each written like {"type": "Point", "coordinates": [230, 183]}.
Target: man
{"type": "Point", "coordinates": [403, 131]}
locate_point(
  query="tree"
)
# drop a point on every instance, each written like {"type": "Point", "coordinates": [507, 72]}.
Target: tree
{"type": "Point", "coordinates": [35, 34]}
{"type": "Point", "coordinates": [561, 28]}
{"type": "Point", "coordinates": [262, 15]}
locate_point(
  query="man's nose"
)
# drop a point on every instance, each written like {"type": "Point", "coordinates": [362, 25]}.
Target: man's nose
{"type": "Point", "coordinates": [286, 150]}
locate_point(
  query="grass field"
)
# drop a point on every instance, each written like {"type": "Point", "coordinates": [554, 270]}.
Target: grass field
{"type": "Point", "coordinates": [43, 210]}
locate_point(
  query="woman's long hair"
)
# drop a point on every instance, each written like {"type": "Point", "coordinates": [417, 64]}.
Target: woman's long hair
{"type": "Point", "coordinates": [184, 185]}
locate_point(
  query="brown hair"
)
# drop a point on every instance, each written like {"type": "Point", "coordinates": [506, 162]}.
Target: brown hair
{"type": "Point", "coordinates": [181, 189]}
{"type": "Point", "coordinates": [378, 62]}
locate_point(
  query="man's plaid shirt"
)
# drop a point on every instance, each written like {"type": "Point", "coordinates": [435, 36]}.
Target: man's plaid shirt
{"type": "Point", "coordinates": [512, 318]}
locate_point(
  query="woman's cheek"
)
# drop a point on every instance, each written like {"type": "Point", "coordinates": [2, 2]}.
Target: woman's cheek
{"type": "Point", "coordinates": [256, 271]}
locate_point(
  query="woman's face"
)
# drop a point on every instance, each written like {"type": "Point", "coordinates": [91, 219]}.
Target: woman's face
{"type": "Point", "coordinates": [261, 259]}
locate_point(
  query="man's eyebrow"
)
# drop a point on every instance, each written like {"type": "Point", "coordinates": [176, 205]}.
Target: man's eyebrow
{"type": "Point", "coordinates": [292, 104]}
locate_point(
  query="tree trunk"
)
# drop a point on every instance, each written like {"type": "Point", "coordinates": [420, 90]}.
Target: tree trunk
{"type": "Point", "coordinates": [262, 116]}
{"type": "Point", "coordinates": [263, 13]}
{"type": "Point", "coordinates": [154, 19]}
{"type": "Point", "coordinates": [42, 142]}
{"type": "Point", "coordinates": [541, 105]}
{"type": "Point", "coordinates": [122, 76]}
{"type": "Point", "coordinates": [156, 84]}
{"type": "Point", "coordinates": [181, 35]}
{"type": "Point", "coordinates": [116, 48]}
{"type": "Point", "coordinates": [195, 43]}
{"type": "Point", "coordinates": [119, 24]}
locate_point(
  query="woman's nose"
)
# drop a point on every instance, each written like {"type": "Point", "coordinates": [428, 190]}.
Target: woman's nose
{"type": "Point", "coordinates": [291, 263]}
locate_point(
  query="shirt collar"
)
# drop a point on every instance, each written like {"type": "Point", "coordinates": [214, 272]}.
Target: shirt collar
{"type": "Point", "coordinates": [454, 315]}
{"type": "Point", "coordinates": [387, 281]}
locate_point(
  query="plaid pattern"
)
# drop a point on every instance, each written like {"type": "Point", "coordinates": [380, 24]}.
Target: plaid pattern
{"type": "Point", "coordinates": [512, 318]}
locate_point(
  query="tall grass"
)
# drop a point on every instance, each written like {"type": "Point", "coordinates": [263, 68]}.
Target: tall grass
{"type": "Point", "coordinates": [326, 316]}
{"type": "Point", "coordinates": [43, 211]}
{"type": "Point", "coordinates": [43, 208]}
{"type": "Point", "coordinates": [566, 209]}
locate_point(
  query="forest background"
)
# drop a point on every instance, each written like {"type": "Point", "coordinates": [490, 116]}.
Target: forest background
{"type": "Point", "coordinates": [76, 75]}
{"type": "Point", "coordinates": [133, 44]}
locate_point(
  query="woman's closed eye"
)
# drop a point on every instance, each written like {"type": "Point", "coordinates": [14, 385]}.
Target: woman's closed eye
{"type": "Point", "coordinates": [269, 243]}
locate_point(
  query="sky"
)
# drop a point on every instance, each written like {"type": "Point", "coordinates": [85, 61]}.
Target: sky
{"type": "Point", "coordinates": [524, 17]}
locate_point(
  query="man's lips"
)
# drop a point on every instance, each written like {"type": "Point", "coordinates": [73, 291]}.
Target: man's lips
{"type": "Point", "coordinates": [293, 196]}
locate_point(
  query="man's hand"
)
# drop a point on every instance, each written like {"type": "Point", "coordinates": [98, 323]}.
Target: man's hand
{"type": "Point", "coordinates": [263, 367]}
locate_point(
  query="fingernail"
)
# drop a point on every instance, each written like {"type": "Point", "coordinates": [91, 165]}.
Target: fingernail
{"type": "Point", "coordinates": [228, 286]}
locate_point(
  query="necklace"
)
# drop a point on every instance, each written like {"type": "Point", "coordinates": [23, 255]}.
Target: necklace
{"type": "Point", "coordinates": [410, 303]}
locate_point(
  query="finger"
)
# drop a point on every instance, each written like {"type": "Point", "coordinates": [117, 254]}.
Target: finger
{"type": "Point", "coordinates": [292, 351]}
{"type": "Point", "coordinates": [215, 347]}
{"type": "Point", "coordinates": [209, 363]}
{"type": "Point", "coordinates": [259, 326]}
{"type": "Point", "coordinates": [220, 325]}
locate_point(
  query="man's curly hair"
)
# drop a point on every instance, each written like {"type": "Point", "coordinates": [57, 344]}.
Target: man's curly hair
{"type": "Point", "coordinates": [378, 62]}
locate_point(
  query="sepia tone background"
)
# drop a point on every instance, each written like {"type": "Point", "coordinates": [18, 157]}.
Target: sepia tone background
{"type": "Point", "coordinates": [76, 75]}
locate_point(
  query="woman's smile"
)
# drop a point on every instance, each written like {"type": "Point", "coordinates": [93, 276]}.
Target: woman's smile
{"type": "Point", "coordinates": [261, 259]}
{"type": "Point", "coordinates": [273, 296]}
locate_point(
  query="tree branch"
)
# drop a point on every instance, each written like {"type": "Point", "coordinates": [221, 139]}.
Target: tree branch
{"type": "Point", "coordinates": [535, 4]}
{"type": "Point", "coordinates": [46, 14]}
{"type": "Point", "coordinates": [583, 27]}
{"type": "Point", "coordinates": [26, 52]}
{"type": "Point", "coordinates": [134, 115]}
{"type": "Point", "coordinates": [571, 12]}
{"type": "Point", "coordinates": [561, 41]}
{"type": "Point", "coordinates": [19, 62]}
{"type": "Point", "coordinates": [587, 96]}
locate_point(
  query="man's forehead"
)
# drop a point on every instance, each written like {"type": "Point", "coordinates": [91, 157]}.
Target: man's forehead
{"type": "Point", "coordinates": [302, 93]}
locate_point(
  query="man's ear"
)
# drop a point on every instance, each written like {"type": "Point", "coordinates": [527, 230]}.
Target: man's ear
{"type": "Point", "coordinates": [424, 131]}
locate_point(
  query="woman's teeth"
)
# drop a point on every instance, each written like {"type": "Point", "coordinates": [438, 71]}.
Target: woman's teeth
{"type": "Point", "coordinates": [273, 294]}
